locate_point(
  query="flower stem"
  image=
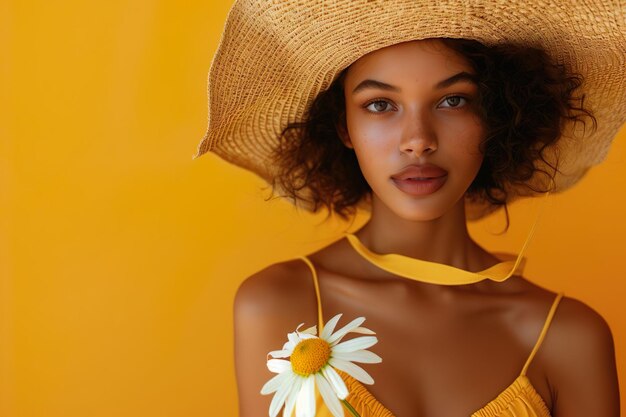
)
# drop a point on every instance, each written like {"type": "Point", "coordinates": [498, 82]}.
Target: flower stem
{"type": "Point", "coordinates": [350, 408]}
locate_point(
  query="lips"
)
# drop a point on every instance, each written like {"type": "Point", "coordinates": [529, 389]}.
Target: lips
{"type": "Point", "coordinates": [424, 171]}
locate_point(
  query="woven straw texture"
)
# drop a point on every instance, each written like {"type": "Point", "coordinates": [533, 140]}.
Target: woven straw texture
{"type": "Point", "coordinates": [274, 57]}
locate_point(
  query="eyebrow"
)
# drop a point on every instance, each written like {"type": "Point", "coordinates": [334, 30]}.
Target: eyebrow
{"type": "Point", "coordinates": [461, 76]}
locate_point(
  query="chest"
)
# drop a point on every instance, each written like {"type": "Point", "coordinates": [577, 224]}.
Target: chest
{"type": "Point", "coordinates": [441, 356]}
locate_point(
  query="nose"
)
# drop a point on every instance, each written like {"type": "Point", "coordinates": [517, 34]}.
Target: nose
{"type": "Point", "coordinates": [418, 134]}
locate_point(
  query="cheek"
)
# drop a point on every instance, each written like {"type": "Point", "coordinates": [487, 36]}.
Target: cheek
{"type": "Point", "coordinates": [369, 133]}
{"type": "Point", "coordinates": [470, 135]}
{"type": "Point", "coordinates": [463, 150]}
{"type": "Point", "coordinates": [370, 151]}
{"type": "Point", "coordinates": [370, 142]}
{"type": "Point", "coordinates": [471, 148]}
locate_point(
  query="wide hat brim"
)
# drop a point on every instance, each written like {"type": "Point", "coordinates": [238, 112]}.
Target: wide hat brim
{"type": "Point", "coordinates": [274, 57]}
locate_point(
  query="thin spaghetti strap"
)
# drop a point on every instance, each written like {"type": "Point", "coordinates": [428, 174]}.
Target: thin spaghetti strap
{"type": "Point", "coordinates": [543, 332]}
{"type": "Point", "coordinates": [320, 317]}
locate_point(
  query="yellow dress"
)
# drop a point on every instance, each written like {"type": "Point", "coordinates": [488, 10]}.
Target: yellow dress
{"type": "Point", "coordinates": [519, 399]}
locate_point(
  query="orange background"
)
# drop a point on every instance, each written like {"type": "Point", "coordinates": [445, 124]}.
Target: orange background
{"type": "Point", "coordinates": [120, 256]}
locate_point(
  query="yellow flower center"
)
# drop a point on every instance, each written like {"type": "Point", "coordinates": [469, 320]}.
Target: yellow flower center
{"type": "Point", "coordinates": [309, 356]}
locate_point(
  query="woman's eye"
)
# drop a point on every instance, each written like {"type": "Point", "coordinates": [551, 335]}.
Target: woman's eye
{"type": "Point", "coordinates": [378, 106]}
{"type": "Point", "coordinates": [454, 101]}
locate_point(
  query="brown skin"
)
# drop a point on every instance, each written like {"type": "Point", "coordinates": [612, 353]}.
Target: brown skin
{"type": "Point", "coordinates": [447, 350]}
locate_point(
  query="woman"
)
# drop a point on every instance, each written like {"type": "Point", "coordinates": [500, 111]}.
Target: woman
{"type": "Point", "coordinates": [417, 129]}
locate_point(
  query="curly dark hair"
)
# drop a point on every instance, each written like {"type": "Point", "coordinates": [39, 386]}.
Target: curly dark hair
{"type": "Point", "coordinates": [524, 100]}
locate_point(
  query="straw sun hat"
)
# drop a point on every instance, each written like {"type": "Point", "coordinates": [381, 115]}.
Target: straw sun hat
{"type": "Point", "coordinates": [275, 56]}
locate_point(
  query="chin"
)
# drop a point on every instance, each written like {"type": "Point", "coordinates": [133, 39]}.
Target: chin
{"type": "Point", "coordinates": [420, 214]}
{"type": "Point", "coordinates": [419, 211]}
{"type": "Point", "coordinates": [442, 202]}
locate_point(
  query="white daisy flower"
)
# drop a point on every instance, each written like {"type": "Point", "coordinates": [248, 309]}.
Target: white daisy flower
{"type": "Point", "coordinates": [312, 361]}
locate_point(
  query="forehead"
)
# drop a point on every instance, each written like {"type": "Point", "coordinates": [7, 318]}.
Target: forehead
{"type": "Point", "coordinates": [421, 59]}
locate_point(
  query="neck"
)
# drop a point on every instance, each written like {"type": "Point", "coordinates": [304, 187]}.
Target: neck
{"type": "Point", "coordinates": [443, 240]}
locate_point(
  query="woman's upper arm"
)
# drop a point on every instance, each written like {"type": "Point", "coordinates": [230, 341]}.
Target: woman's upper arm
{"type": "Point", "coordinates": [268, 305]}
{"type": "Point", "coordinates": [582, 369]}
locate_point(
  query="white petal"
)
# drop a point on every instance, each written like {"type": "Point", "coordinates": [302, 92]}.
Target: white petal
{"type": "Point", "coordinates": [311, 330]}
{"type": "Point", "coordinates": [278, 365]}
{"type": "Point", "coordinates": [330, 326]}
{"type": "Point", "coordinates": [353, 370]}
{"type": "Point", "coordinates": [336, 382]}
{"type": "Point", "coordinates": [336, 337]}
{"type": "Point", "coordinates": [293, 395]}
{"type": "Point", "coordinates": [294, 339]}
{"type": "Point", "coordinates": [275, 383]}
{"type": "Point", "coordinates": [281, 395]}
{"type": "Point", "coordinates": [329, 396]}
{"type": "Point", "coordinates": [304, 336]}
{"type": "Point", "coordinates": [362, 356]}
{"type": "Point", "coordinates": [305, 406]}
{"type": "Point", "coordinates": [280, 353]}
{"type": "Point", "coordinates": [363, 330]}
{"type": "Point", "coordinates": [355, 344]}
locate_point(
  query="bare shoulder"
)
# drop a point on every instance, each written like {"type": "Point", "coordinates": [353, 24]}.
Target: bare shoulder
{"type": "Point", "coordinates": [579, 329]}
{"type": "Point", "coordinates": [284, 287]}
{"type": "Point", "coordinates": [268, 305]}
{"type": "Point", "coordinates": [580, 362]}
{"type": "Point", "coordinates": [578, 320]}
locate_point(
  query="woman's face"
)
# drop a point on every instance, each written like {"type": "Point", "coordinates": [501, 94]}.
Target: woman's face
{"type": "Point", "coordinates": [408, 105]}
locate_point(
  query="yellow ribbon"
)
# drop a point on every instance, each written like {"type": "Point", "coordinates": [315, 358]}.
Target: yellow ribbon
{"type": "Point", "coordinates": [436, 273]}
